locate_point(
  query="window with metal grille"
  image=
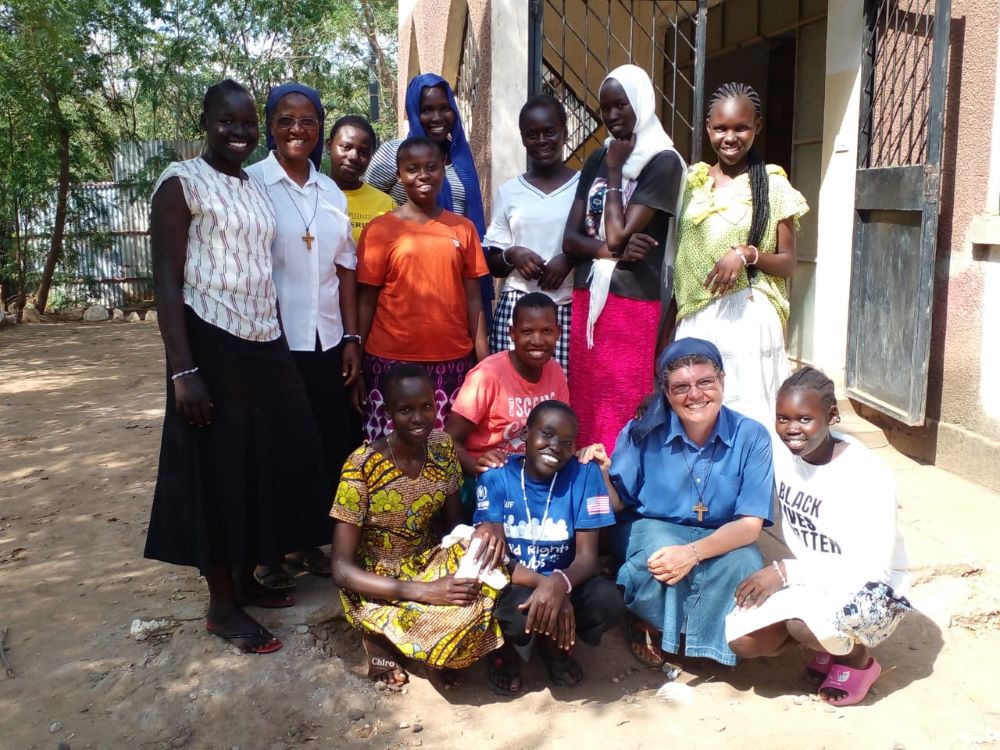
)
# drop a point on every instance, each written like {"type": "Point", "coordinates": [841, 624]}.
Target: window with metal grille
{"type": "Point", "coordinates": [467, 84]}
{"type": "Point", "coordinates": [581, 123]}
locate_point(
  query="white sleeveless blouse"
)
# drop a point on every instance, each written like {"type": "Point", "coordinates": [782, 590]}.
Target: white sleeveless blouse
{"type": "Point", "coordinates": [227, 273]}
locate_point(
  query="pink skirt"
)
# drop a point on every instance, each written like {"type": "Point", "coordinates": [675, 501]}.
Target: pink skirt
{"type": "Point", "coordinates": [607, 383]}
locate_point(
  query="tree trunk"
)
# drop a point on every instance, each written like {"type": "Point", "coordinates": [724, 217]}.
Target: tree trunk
{"type": "Point", "coordinates": [59, 227]}
{"type": "Point", "coordinates": [19, 256]}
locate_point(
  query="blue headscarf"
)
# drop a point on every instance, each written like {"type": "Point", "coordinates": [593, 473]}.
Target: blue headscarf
{"type": "Point", "coordinates": [459, 151]}
{"type": "Point", "coordinates": [312, 95]}
{"type": "Point", "coordinates": [659, 410]}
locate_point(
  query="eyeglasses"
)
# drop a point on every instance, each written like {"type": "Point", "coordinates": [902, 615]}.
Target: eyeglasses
{"type": "Point", "coordinates": [704, 385]}
{"type": "Point", "coordinates": [287, 123]}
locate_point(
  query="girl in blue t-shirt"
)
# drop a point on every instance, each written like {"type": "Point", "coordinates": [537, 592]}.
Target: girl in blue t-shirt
{"type": "Point", "coordinates": [551, 507]}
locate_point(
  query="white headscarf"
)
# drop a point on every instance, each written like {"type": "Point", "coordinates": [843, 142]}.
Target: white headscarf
{"type": "Point", "coordinates": [650, 137]}
{"type": "Point", "coordinates": [650, 140]}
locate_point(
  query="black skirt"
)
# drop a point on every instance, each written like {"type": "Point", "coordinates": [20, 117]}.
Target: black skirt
{"type": "Point", "coordinates": [323, 375]}
{"type": "Point", "coordinates": [252, 485]}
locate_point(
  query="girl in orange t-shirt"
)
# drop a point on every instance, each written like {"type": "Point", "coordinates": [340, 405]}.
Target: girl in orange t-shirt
{"type": "Point", "coordinates": [418, 289]}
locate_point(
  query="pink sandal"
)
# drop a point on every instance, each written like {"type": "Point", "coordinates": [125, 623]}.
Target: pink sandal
{"type": "Point", "coordinates": [854, 683]}
{"type": "Point", "coordinates": [819, 666]}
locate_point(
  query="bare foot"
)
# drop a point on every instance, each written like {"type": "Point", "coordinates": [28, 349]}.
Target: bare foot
{"type": "Point", "coordinates": [445, 680]}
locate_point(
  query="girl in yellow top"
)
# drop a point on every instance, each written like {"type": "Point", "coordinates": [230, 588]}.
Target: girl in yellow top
{"type": "Point", "coordinates": [735, 251]}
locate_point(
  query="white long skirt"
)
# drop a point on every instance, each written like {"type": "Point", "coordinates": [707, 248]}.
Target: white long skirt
{"type": "Point", "coordinates": [816, 607]}
{"type": "Point", "coordinates": [748, 332]}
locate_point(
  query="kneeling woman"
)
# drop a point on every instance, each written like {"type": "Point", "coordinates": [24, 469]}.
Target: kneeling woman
{"type": "Point", "coordinates": [695, 480]}
{"type": "Point", "coordinates": [397, 585]}
{"type": "Point", "coordinates": [840, 593]}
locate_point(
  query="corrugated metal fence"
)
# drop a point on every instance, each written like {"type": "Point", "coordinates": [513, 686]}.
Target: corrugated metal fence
{"type": "Point", "coordinates": [107, 251]}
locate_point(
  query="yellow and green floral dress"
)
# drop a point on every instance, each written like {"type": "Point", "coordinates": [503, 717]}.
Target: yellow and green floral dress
{"type": "Point", "coordinates": [397, 541]}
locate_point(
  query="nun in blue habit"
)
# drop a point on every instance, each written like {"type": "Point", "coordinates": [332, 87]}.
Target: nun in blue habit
{"type": "Point", "coordinates": [696, 482]}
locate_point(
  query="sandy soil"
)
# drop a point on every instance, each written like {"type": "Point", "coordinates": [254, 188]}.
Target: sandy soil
{"type": "Point", "coordinates": [80, 411]}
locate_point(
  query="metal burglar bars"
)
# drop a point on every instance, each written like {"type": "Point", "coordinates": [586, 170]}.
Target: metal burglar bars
{"type": "Point", "coordinates": [468, 77]}
{"type": "Point", "coordinates": [904, 74]}
{"type": "Point", "coordinates": [574, 43]}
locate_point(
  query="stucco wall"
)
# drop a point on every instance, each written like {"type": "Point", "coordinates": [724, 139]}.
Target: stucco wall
{"type": "Point", "coordinates": [430, 41]}
{"type": "Point", "coordinates": [962, 433]}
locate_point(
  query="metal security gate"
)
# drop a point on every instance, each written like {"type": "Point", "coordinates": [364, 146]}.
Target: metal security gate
{"type": "Point", "coordinates": [574, 43]}
{"type": "Point", "coordinates": [904, 74]}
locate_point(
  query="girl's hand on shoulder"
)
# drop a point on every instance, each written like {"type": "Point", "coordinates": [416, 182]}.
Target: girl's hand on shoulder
{"type": "Point", "coordinates": [544, 606]}
{"type": "Point", "coordinates": [757, 587]}
{"type": "Point", "coordinates": [526, 261]}
{"type": "Point", "coordinates": [595, 452]}
{"type": "Point", "coordinates": [724, 274]}
{"type": "Point", "coordinates": [451, 591]}
{"type": "Point", "coordinates": [618, 153]}
{"type": "Point", "coordinates": [351, 363]}
{"type": "Point", "coordinates": [493, 459]}
{"type": "Point", "coordinates": [192, 400]}
{"type": "Point", "coordinates": [492, 546]}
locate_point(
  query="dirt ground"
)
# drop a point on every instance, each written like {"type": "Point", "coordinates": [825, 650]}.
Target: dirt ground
{"type": "Point", "coordinates": [80, 413]}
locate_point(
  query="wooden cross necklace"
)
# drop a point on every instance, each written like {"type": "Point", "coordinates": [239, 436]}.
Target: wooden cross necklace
{"type": "Point", "coordinates": [307, 237]}
{"type": "Point", "coordinates": [700, 509]}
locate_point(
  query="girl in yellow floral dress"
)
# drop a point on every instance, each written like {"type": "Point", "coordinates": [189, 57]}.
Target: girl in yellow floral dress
{"type": "Point", "coordinates": [397, 584]}
{"type": "Point", "coordinates": [735, 251]}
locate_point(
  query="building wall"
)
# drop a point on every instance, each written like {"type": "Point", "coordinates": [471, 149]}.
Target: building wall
{"type": "Point", "coordinates": [962, 432]}
{"type": "Point", "coordinates": [430, 40]}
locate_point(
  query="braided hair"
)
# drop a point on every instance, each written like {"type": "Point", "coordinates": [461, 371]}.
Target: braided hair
{"type": "Point", "coordinates": [810, 379]}
{"type": "Point", "coordinates": [757, 169]}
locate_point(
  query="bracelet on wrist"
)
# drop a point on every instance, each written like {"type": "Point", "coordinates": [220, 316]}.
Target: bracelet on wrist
{"type": "Point", "coordinates": [351, 338]}
{"type": "Point", "coordinates": [739, 252]}
{"type": "Point", "coordinates": [784, 581]}
{"type": "Point", "coordinates": [756, 255]}
{"type": "Point", "coordinates": [697, 555]}
{"type": "Point", "coordinates": [569, 584]}
{"type": "Point", "coordinates": [177, 375]}
{"type": "Point", "coordinates": [612, 190]}
{"type": "Point", "coordinates": [503, 257]}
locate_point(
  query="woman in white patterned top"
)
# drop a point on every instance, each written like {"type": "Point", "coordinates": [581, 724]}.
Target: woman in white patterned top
{"type": "Point", "coordinates": [239, 449]}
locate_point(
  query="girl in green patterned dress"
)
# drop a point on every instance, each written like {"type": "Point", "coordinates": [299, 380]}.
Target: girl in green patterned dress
{"type": "Point", "coordinates": [397, 584]}
{"type": "Point", "coordinates": [736, 249]}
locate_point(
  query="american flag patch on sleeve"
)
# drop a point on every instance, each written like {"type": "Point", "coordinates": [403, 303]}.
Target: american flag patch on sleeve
{"type": "Point", "coordinates": [598, 505]}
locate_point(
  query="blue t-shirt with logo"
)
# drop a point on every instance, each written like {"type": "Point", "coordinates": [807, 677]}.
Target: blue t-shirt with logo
{"type": "Point", "coordinates": [579, 501]}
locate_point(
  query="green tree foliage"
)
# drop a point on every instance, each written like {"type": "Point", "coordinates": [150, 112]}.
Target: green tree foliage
{"type": "Point", "coordinates": [78, 77]}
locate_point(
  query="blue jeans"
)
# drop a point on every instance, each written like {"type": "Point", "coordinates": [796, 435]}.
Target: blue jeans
{"type": "Point", "coordinates": [698, 604]}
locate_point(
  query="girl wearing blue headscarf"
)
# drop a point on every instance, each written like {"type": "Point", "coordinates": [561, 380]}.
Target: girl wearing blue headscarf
{"type": "Point", "coordinates": [695, 479]}
{"type": "Point", "coordinates": [432, 112]}
{"type": "Point", "coordinates": [314, 261]}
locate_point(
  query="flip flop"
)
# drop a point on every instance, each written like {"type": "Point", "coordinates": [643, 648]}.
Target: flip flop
{"type": "Point", "coordinates": [564, 670]}
{"type": "Point", "coordinates": [268, 647]}
{"type": "Point", "coordinates": [854, 683]}
{"type": "Point", "coordinates": [637, 633]}
{"type": "Point", "coordinates": [505, 665]}
{"type": "Point", "coordinates": [313, 561]}
{"type": "Point", "coordinates": [819, 666]}
{"type": "Point", "coordinates": [381, 663]}
{"type": "Point", "coordinates": [275, 578]}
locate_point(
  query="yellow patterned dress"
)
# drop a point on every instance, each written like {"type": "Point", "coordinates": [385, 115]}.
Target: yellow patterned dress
{"type": "Point", "coordinates": [394, 513]}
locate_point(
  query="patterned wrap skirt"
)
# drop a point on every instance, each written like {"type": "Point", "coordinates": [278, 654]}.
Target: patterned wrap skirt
{"type": "Point", "coordinates": [443, 636]}
{"type": "Point", "coordinates": [446, 378]}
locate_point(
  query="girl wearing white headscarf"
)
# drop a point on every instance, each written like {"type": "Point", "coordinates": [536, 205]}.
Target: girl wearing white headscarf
{"type": "Point", "coordinates": [621, 229]}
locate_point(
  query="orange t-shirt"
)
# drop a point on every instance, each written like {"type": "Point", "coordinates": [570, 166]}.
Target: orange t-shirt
{"type": "Point", "coordinates": [497, 400]}
{"type": "Point", "coordinates": [421, 315]}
